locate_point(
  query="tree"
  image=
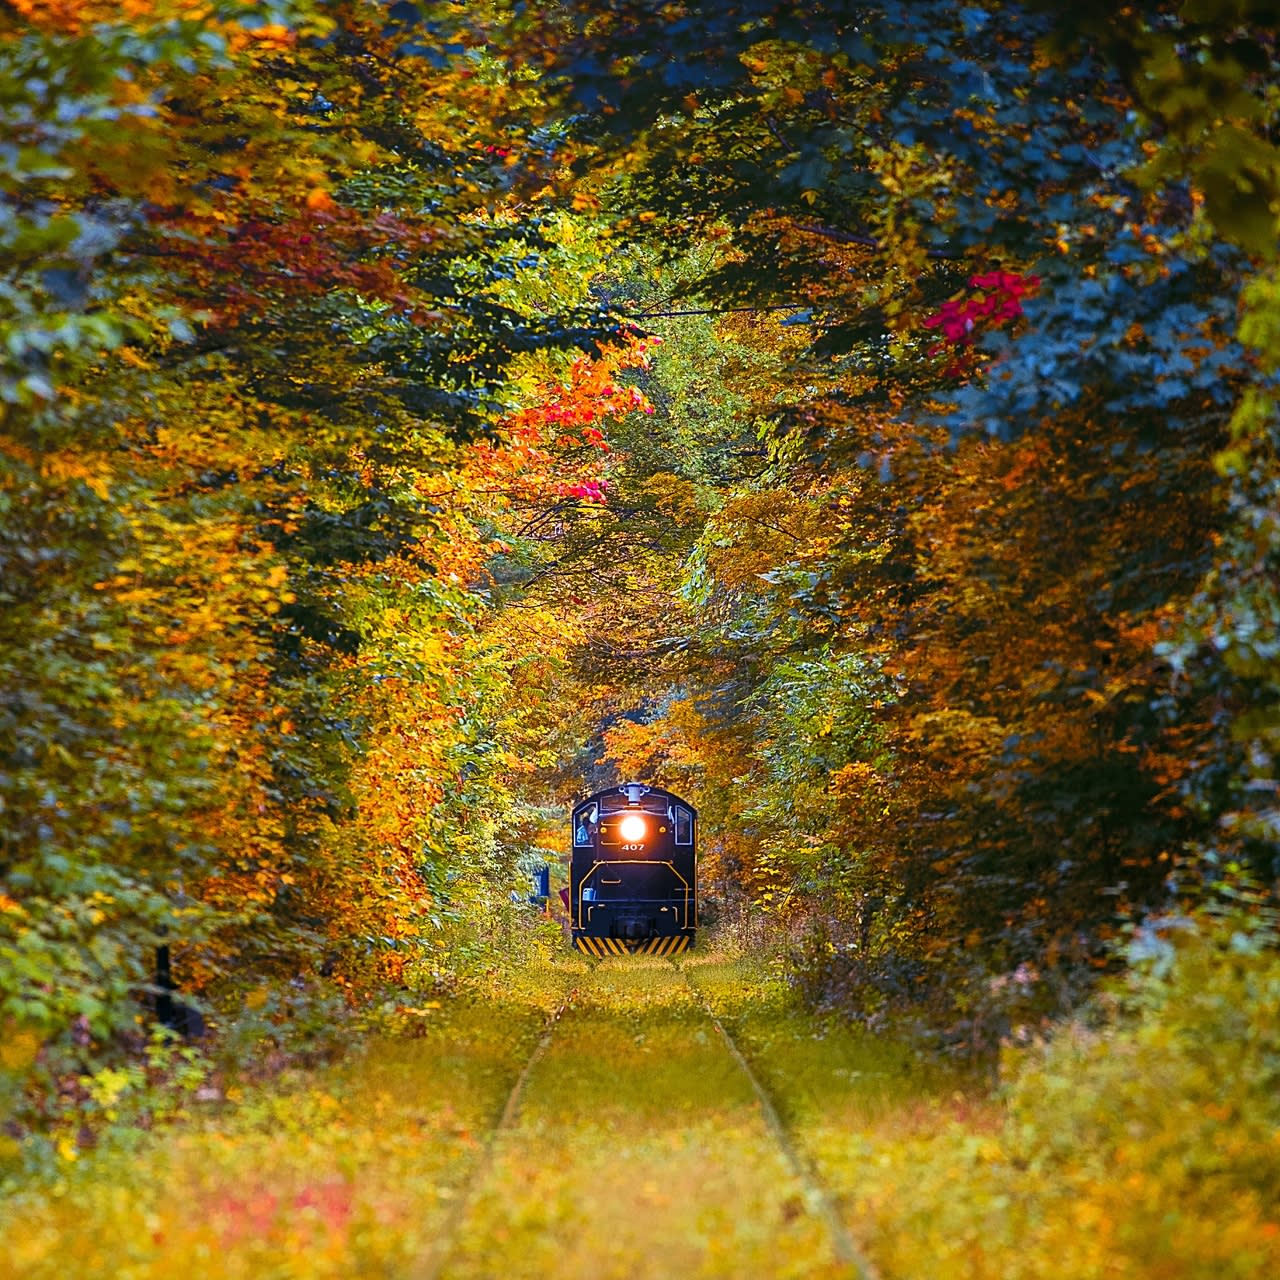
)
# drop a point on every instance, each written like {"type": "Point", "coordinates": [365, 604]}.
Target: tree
{"type": "Point", "coordinates": [258, 356]}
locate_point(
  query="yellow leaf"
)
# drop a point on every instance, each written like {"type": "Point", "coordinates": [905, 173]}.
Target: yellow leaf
{"type": "Point", "coordinates": [424, 1011]}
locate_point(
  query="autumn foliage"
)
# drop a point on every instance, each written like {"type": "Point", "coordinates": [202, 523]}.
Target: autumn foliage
{"type": "Point", "coordinates": [261, 424]}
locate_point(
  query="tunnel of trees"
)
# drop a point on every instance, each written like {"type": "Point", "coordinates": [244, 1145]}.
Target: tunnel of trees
{"type": "Point", "coordinates": [859, 418]}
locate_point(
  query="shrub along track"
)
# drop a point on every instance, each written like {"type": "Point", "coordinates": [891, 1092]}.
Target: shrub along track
{"type": "Point", "coordinates": [316, 1174]}
{"type": "Point", "coordinates": [638, 1142]}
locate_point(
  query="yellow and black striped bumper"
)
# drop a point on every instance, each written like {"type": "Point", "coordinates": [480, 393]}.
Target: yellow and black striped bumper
{"type": "Point", "coordinates": [632, 947]}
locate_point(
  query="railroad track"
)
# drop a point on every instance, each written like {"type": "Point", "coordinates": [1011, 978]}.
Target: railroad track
{"type": "Point", "coordinates": [817, 1198]}
{"type": "Point", "coordinates": [818, 1202]}
{"type": "Point", "coordinates": [431, 1267]}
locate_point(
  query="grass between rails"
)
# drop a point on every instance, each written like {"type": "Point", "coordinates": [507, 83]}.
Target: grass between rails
{"type": "Point", "coordinates": [641, 1151]}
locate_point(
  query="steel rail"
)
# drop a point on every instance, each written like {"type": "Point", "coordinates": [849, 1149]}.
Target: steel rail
{"type": "Point", "coordinates": [817, 1197]}
{"type": "Point", "coordinates": [432, 1263]}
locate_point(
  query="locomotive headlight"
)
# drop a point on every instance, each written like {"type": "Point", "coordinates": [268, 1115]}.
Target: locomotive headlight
{"type": "Point", "coordinates": [632, 828]}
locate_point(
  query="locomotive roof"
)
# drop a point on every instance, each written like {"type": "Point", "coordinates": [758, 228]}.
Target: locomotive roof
{"type": "Point", "coordinates": [612, 797]}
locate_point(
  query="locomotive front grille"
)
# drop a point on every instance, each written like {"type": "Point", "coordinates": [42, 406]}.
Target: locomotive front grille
{"type": "Point", "coordinates": [615, 891]}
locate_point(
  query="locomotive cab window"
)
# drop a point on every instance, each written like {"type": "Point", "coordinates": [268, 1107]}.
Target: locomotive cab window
{"type": "Point", "coordinates": [582, 825]}
{"type": "Point", "coordinates": [684, 825]}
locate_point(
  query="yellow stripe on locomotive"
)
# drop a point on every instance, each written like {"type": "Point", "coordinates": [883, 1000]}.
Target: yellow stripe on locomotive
{"type": "Point", "coordinates": [603, 948]}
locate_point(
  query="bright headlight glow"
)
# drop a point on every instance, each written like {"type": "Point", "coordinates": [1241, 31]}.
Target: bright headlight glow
{"type": "Point", "coordinates": [632, 828]}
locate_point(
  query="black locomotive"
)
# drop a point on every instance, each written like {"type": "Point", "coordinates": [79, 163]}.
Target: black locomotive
{"type": "Point", "coordinates": [633, 872]}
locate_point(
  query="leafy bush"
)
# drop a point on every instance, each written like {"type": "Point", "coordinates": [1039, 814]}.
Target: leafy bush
{"type": "Point", "coordinates": [1141, 1145]}
{"type": "Point", "coordinates": [956, 1006]}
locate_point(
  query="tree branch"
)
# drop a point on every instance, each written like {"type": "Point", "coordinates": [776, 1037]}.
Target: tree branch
{"type": "Point", "coordinates": [866, 242]}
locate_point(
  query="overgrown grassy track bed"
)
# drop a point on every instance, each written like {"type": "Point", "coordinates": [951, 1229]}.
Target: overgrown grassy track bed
{"type": "Point", "coordinates": [641, 1150]}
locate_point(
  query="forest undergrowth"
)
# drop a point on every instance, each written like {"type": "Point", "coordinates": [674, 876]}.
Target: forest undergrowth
{"type": "Point", "coordinates": [1140, 1139]}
